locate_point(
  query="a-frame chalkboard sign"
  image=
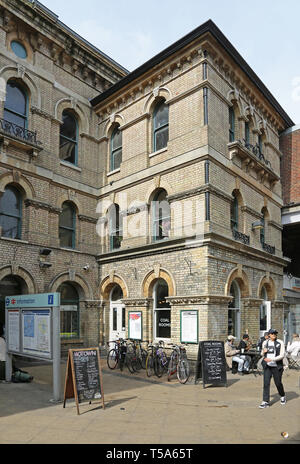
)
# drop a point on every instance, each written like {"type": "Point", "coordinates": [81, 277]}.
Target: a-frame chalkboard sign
{"type": "Point", "coordinates": [83, 376]}
{"type": "Point", "coordinates": [211, 363]}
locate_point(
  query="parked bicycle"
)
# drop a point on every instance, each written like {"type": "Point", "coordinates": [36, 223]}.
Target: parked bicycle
{"type": "Point", "coordinates": [136, 354]}
{"type": "Point", "coordinates": [116, 356]}
{"type": "Point", "coordinates": [157, 361]}
{"type": "Point", "coordinates": [179, 364]}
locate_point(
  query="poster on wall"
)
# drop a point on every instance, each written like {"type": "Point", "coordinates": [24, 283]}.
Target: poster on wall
{"type": "Point", "coordinates": [36, 332]}
{"type": "Point", "coordinates": [135, 325]}
{"type": "Point", "coordinates": [189, 326]}
{"type": "Point", "coordinates": [13, 330]}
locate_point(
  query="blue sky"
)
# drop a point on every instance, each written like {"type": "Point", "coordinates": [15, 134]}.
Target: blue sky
{"type": "Point", "coordinates": [266, 33]}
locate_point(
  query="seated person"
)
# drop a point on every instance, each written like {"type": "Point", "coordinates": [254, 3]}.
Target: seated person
{"type": "Point", "coordinates": [293, 349]}
{"type": "Point", "coordinates": [261, 340]}
{"type": "Point", "coordinates": [244, 346]}
{"type": "Point", "coordinates": [232, 354]}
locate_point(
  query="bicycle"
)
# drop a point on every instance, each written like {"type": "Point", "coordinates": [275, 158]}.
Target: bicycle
{"type": "Point", "coordinates": [179, 364]}
{"type": "Point", "coordinates": [136, 355]}
{"type": "Point", "coordinates": [157, 361]}
{"type": "Point", "coordinates": [116, 356]}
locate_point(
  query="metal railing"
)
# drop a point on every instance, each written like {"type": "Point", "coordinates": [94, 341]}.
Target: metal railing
{"type": "Point", "coordinates": [241, 237]}
{"type": "Point", "coordinates": [269, 248]}
{"type": "Point", "coordinates": [19, 132]}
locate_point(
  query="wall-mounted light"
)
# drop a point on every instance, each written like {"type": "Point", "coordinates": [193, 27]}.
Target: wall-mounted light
{"type": "Point", "coordinates": [45, 251]}
{"type": "Point", "coordinates": [257, 225]}
{"type": "Point", "coordinates": [44, 264]}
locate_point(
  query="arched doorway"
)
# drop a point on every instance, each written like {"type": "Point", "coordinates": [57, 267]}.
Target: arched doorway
{"type": "Point", "coordinates": [162, 311]}
{"type": "Point", "coordinates": [9, 286]}
{"type": "Point", "coordinates": [264, 312]}
{"type": "Point", "coordinates": [69, 311]}
{"type": "Point", "coordinates": [234, 313]}
{"type": "Point", "coordinates": [117, 315]}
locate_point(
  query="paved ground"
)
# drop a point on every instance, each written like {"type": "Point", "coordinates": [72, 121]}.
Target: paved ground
{"type": "Point", "coordinates": [139, 410]}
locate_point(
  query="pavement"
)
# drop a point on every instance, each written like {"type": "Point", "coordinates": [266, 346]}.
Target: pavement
{"type": "Point", "coordinates": [142, 410]}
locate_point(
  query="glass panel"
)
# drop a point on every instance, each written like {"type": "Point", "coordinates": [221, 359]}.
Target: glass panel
{"type": "Point", "coordinates": [67, 150]}
{"type": "Point", "coordinates": [66, 218]}
{"type": "Point", "coordinates": [68, 292]}
{"type": "Point", "coordinates": [163, 323]}
{"type": "Point", "coordinates": [116, 141]}
{"type": "Point", "coordinates": [162, 291]}
{"type": "Point", "coordinates": [15, 99]}
{"type": "Point", "coordinates": [117, 293]}
{"type": "Point", "coordinates": [10, 202]}
{"type": "Point", "coordinates": [231, 125]}
{"type": "Point", "coordinates": [115, 318]}
{"type": "Point", "coordinates": [69, 126]}
{"type": "Point", "coordinates": [18, 49]}
{"type": "Point", "coordinates": [161, 117]}
{"type": "Point", "coordinates": [65, 238]}
{"type": "Point", "coordinates": [69, 324]}
{"type": "Point", "coordinates": [15, 119]}
{"type": "Point", "coordinates": [233, 322]}
{"type": "Point", "coordinates": [10, 226]}
{"type": "Point", "coordinates": [116, 159]}
{"type": "Point", "coordinates": [161, 138]}
{"type": "Point", "coordinates": [123, 318]}
{"type": "Point", "coordinates": [247, 133]}
{"type": "Point", "coordinates": [263, 317]}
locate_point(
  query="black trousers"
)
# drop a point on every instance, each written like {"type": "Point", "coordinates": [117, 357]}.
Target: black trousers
{"type": "Point", "coordinates": [277, 376]}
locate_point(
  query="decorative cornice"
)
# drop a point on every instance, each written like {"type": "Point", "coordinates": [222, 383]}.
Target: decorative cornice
{"type": "Point", "coordinates": [82, 217]}
{"type": "Point", "coordinates": [137, 302]}
{"type": "Point", "coordinates": [198, 299]}
{"type": "Point", "coordinates": [197, 191]}
{"type": "Point", "coordinates": [41, 205]}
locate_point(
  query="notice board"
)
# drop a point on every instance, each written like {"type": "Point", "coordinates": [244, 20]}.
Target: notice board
{"type": "Point", "coordinates": [84, 376]}
{"type": "Point", "coordinates": [211, 363]}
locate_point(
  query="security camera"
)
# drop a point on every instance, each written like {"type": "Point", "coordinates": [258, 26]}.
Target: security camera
{"type": "Point", "coordinates": [86, 267]}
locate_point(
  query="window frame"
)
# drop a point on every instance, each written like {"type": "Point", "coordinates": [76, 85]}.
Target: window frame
{"type": "Point", "coordinates": [68, 139]}
{"type": "Point", "coordinates": [157, 218]}
{"type": "Point", "coordinates": [156, 130]}
{"type": "Point", "coordinates": [234, 213]}
{"type": "Point", "coordinates": [115, 232]}
{"type": "Point", "coordinates": [231, 124]}
{"type": "Point", "coordinates": [113, 149]}
{"type": "Point", "coordinates": [72, 229]}
{"type": "Point", "coordinates": [19, 217]}
{"type": "Point", "coordinates": [15, 113]}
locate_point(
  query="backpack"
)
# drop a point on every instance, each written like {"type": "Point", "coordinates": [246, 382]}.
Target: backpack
{"type": "Point", "coordinates": [21, 376]}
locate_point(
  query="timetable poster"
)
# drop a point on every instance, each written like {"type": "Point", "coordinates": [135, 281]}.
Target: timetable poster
{"type": "Point", "coordinates": [13, 329]}
{"type": "Point", "coordinates": [135, 325]}
{"type": "Point", "coordinates": [189, 326]}
{"type": "Point", "coordinates": [36, 332]}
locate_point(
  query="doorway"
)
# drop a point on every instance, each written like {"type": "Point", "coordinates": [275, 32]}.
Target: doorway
{"type": "Point", "coordinates": [162, 311]}
{"type": "Point", "coordinates": [117, 318]}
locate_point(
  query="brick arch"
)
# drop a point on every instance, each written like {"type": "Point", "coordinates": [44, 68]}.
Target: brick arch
{"type": "Point", "coordinates": [109, 282]}
{"type": "Point", "coordinates": [160, 93]}
{"type": "Point", "coordinates": [74, 107]}
{"type": "Point", "coordinates": [34, 93]}
{"type": "Point", "coordinates": [269, 285]}
{"type": "Point", "coordinates": [18, 181]}
{"type": "Point", "coordinates": [23, 274]}
{"type": "Point", "coordinates": [151, 278]}
{"type": "Point", "coordinates": [241, 277]}
{"type": "Point", "coordinates": [84, 288]}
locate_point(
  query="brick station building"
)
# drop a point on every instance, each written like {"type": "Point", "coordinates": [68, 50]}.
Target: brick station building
{"type": "Point", "coordinates": [190, 212]}
{"type": "Point", "coordinates": [155, 192]}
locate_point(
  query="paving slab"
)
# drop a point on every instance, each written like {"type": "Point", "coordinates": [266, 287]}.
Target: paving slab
{"type": "Point", "coordinates": [142, 410]}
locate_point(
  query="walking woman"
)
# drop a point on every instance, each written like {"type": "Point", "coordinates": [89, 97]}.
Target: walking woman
{"type": "Point", "coordinates": [273, 352]}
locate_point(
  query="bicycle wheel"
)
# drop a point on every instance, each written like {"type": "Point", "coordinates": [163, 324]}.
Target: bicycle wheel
{"type": "Point", "coordinates": [183, 370]}
{"type": "Point", "coordinates": [144, 355]}
{"type": "Point", "coordinates": [149, 365]}
{"type": "Point", "coordinates": [158, 367]}
{"type": "Point", "coordinates": [129, 363]}
{"type": "Point", "coordinates": [112, 358]}
{"type": "Point", "coordinates": [172, 367]}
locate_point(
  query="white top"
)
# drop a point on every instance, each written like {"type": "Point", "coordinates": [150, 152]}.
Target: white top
{"type": "Point", "coordinates": [293, 348]}
{"type": "Point", "coordinates": [2, 349]}
{"type": "Point", "coordinates": [271, 354]}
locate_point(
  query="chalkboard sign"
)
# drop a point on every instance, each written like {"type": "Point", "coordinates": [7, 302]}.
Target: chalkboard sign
{"type": "Point", "coordinates": [211, 363]}
{"type": "Point", "coordinates": [84, 376]}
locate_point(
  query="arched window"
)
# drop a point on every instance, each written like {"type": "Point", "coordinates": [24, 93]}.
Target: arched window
{"type": "Point", "coordinates": [67, 225]}
{"type": "Point", "coordinates": [262, 234]}
{"type": "Point", "coordinates": [234, 310]}
{"type": "Point", "coordinates": [15, 107]}
{"type": "Point", "coordinates": [234, 212]}
{"type": "Point", "coordinates": [69, 311]}
{"type": "Point", "coordinates": [116, 149]}
{"type": "Point", "coordinates": [161, 216]}
{"type": "Point", "coordinates": [11, 213]}
{"type": "Point", "coordinates": [114, 227]}
{"type": "Point", "coordinates": [160, 126]}
{"type": "Point", "coordinates": [68, 142]}
{"type": "Point", "coordinates": [231, 124]}
{"type": "Point", "coordinates": [162, 310]}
